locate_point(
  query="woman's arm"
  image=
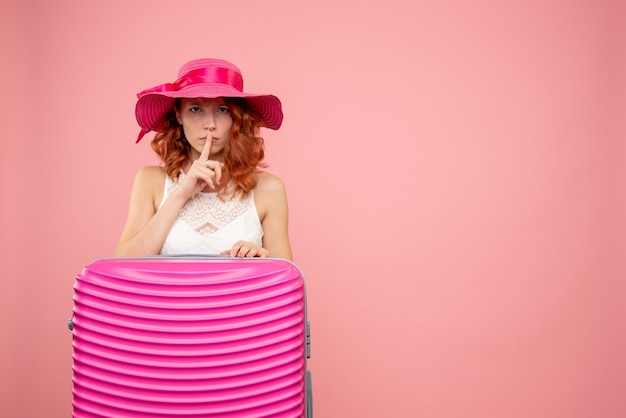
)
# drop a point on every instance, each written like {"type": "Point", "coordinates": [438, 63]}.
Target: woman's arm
{"type": "Point", "coordinates": [146, 227]}
{"type": "Point", "coordinates": [271, 199]}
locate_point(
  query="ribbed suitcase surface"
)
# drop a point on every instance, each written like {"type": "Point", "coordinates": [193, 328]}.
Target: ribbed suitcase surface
{"type": "Point", "coordinates": [190, 337]}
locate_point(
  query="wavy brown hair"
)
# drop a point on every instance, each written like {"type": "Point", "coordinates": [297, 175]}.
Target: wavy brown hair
{"type": "Point", "coordinates": [243, 154]}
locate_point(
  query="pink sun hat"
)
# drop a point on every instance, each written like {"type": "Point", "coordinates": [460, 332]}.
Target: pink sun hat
{"type": "Point", "coordinates": [207, 78]}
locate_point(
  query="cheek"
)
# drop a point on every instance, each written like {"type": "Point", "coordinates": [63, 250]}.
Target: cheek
{"type": "Point", "coordinates": [189, 126]}
{"type": "Point", "coordinates": [227, 122]}
{"type": "Point", "coordinates": [186, 134]}
{"type": "Point", "coordinates": [190, 121]}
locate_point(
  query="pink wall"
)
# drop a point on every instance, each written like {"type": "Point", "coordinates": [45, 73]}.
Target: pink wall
{"type": "Point", "coordinates": [456, 180]}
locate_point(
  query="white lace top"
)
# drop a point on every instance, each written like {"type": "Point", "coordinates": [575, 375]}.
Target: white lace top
{"type": "Point", "coordinates": [208, 225]}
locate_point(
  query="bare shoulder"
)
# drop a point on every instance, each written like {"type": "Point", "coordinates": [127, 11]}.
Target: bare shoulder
{"type": "Point", "coordinates": [269, 195]}
{"type": "Point", "coordinates": [269, 184]}
{"type": "Point", "coordinates": [150, 177]}
{"type": "Point", "coordinates": [148, 185]}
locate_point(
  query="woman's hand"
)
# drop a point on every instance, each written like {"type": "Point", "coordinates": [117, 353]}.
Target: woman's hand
{"type": "Point", "coordinates": [243, 249]}
{"type": "Point", "coordinates": [202, 173]}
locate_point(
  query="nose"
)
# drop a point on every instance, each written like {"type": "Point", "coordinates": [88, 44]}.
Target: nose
{"type": "Point", "coordinates": [209, 121]}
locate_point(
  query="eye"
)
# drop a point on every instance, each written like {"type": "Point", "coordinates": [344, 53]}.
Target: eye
{"type": "Point", "coordinates": [223, 109]}
{"type": "Point", "coordinates": [194, 109]}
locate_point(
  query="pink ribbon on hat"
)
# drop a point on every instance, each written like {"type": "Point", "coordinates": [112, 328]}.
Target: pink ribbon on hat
{"type": "Point", "coordinates": [218, 75]}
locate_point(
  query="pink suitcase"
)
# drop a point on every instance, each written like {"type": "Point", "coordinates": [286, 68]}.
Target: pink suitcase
{"type": "Point", "coordinates": [190, 336]}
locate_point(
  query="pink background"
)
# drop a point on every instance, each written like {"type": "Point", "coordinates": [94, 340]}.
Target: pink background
{"type": "Point", "coordinates": [455, 173]}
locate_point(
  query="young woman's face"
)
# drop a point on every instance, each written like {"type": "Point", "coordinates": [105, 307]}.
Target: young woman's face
{"type": "Point", "coordinates": [205, 120]}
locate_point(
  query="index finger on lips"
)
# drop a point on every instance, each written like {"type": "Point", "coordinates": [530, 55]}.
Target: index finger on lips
{"type": "Point", "coordinates": [204, 155]}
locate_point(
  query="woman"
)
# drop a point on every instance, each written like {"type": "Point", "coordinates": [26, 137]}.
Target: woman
{"type": "Point", "coordinates": [209, 196]}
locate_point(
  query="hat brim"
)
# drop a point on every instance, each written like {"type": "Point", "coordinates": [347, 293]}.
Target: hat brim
{"type": "Point", "coordinates": [152, 107]}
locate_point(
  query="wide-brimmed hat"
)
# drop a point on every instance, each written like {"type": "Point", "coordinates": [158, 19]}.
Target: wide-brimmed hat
{"type": "Point", "coordinates": [207, 78]}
